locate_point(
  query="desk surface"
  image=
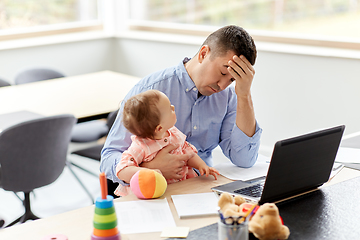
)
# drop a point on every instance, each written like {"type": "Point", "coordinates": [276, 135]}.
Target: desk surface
{"type": "Point", "coordinates": [77, 224]}
{"type": "Point", "coordinates": [83, 96]}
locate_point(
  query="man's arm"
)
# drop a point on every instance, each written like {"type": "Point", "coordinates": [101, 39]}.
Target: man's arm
{"type": "Point", "coordinates": [169, 164]}
{"type": "Point", "coordinates": [241, 141]}
{"type": "Point", "coordinates": [243, 73]}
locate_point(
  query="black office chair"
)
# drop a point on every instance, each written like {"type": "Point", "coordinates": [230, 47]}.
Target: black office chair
{"type": "Point", "coordinates": [94, 153]}
{"type": "Point", "coordinates": [89, 131]}
{"type": "Point", "coordinates": [4, 83]}
{"type": "Point", "coordinates": [82, 132]}
{"type": "Point", "coordinates": [36, 74]}
{"type": "Point", "coordinates": [33, 154]}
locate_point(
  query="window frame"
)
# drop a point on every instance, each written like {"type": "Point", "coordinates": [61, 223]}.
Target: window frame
{"type": "Point", "coordinates": [258, 35]}
{"type": "Point", "coordinates": [50, 30]}
{"type": "Point", "coordinates": [116, 21]}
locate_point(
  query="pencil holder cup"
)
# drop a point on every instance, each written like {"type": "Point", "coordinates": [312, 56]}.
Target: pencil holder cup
{"type": "Point", "coordinates": [105, 220]}
{"type": "Point", "coordinates": [233, 232]}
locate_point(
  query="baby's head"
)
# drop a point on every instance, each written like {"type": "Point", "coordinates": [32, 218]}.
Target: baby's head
{"type": "Point", "coordinates": [149, 114]}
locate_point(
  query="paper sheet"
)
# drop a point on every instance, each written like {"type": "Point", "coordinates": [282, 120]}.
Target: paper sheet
{"type": "Point", "coordinates": [196, 205]}
{"type": "Point", "coordinates": [144, 216]}
{"type": "Point", "coordinates": [229, 170]}
{"type": "Point", "coordinates": [348, 155]}
{"type": "Point", "coordinates": [336, 169]}
{"type": "Point", "coordinates": [175, 232]}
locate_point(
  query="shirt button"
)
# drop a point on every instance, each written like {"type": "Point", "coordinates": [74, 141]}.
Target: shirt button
{"type": "Point", "coordinates": [194, 89]}
{"type": "Point", "coordinates": [165, 140]}
{"type": "Point", "coordinates": [131, 159]}
{"type": "Point", "coordinates": [187, 89]}
{"type": "Point", "coordinates": [195, 127]}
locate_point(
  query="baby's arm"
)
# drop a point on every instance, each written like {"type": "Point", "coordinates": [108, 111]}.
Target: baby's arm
{"type": "Point", "coordinates": [199, 164]}
{"type": "Point", "coordinates": [129, 164]}
{"type": "Point", "coordinates": [127, 173]}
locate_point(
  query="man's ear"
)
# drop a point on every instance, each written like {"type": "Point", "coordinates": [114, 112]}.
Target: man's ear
{"type": "Point", "coordinates": [204, 51]}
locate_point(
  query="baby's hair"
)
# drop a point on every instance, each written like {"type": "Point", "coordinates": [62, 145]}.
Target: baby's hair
{"type": "Point", "coordinates": [141, 115]}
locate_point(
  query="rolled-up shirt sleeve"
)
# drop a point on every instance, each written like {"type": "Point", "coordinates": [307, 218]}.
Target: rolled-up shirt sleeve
{"type": "Point", "coordinates": [244, 149]}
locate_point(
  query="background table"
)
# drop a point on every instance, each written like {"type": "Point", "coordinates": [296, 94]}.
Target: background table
{"type": "Point", "coordinates": [85, 96]}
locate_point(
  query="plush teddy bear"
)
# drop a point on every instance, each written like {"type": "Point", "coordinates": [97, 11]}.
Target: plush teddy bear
{"type": "Point", "coordinates": [230, 206]}
{"type": "Point", "coordinates": [266, 223]}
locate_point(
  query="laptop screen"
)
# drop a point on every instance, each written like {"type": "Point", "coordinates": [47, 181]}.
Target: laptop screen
{"type": "Point", "coordinates": [300, 164]}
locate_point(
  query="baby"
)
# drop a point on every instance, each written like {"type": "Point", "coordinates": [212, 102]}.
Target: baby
{"type": "Point", "coordinates": [151, 118]}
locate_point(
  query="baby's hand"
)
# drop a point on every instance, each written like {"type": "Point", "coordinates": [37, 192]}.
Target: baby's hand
{"type": "Point", "coordinates": [213, 172]}
{"type": "Point", "coordinates": [209, 170]}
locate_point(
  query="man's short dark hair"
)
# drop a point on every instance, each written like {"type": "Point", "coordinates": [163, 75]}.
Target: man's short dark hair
{"type": "Point", "coordinates": [231, 38]}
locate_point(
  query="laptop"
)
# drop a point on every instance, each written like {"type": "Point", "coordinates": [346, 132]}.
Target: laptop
{"type": "Point", "coordinates": [298, 165]}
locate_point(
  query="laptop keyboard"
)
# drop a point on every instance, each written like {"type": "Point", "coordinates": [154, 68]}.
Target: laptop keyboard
{"type": "Point", "coordinates": [253, 191]}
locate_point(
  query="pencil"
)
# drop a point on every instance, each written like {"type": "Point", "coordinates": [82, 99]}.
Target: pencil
{"type": "Point", "coordinates": [248, 213]}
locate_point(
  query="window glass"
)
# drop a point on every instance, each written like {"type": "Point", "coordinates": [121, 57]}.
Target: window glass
{"type": "Point", "coordinates": [15, 14]}
{"type": "Point", "coordinates": [319, 17]}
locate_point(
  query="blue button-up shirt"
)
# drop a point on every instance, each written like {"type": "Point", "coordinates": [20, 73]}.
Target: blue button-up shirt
{"type": "Point", "coordinates": [207, 121]}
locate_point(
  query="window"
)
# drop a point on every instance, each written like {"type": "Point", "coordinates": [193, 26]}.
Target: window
{"type": "Point", "coordinates": [324, 20]}
{"type": "Point", "coordinates": [19, 17]}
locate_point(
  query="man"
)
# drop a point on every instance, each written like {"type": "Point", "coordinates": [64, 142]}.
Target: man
{"type": "Point", "coordinates": [208, 112]}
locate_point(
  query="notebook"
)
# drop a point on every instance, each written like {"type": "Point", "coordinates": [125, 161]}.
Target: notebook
{"type": "Point", "coordinates": [297, 165]}
{"type": "Point", "coordinates": [196, 205]}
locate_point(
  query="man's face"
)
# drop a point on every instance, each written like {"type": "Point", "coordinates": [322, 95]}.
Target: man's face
{"type": "Point", "coordinates": [211, 74]}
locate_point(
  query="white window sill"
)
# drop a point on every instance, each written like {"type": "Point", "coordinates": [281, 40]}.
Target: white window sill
{"type": "Point", "coordinates": [53, 39]}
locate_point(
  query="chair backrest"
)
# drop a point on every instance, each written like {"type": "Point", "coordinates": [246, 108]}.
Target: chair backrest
{"type": "Point", "coordinates": [36, 74]}
{"type": "Point", "coordinates": [4, 83]}
{"type": "Point", "coordinates": [33, 153]}
{"type": "Point", "coordinates": [111, 118]}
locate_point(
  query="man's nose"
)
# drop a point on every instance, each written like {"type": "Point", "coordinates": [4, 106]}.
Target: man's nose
{"type": "Point", "coordinates": [222, 84]}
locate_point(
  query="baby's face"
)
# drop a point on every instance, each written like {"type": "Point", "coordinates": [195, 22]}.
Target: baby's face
{"type": "Point", "coordinates": [167, 112]}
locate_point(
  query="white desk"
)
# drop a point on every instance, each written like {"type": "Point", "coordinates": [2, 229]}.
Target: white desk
{"type": "Point", "coordinates": [83, 96]}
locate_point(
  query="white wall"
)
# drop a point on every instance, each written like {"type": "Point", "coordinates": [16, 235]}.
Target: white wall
{"type": "Point", "coordinates": [140, 58]}
{"type": "Point", "coordinates": [292, 93]}
{"type": "Point", "coordinates": [71, 58]}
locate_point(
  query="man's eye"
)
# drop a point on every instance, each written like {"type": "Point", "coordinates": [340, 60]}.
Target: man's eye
{"type": "Point", "coordinates": [223, 74]}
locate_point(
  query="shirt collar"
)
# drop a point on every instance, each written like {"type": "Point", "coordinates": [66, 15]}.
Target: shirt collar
{"type": "Point", "coordinates": [186, 81]}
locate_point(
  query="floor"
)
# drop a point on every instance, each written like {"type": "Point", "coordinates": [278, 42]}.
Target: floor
{"type": "Point", "coordinates": [65, 194]}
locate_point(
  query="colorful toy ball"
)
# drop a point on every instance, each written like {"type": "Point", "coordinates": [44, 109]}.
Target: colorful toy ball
{"type": "Point", "coordinates": [147, 183]}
